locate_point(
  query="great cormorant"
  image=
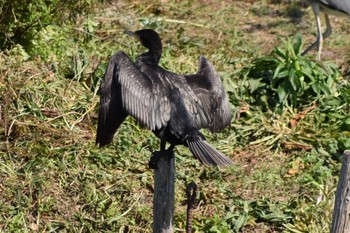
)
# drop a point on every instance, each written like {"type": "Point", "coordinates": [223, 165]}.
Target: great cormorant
{"type": "Point", "coordinates": [173, 106]}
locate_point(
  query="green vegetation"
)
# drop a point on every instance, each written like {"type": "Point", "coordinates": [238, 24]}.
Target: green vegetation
{"type": "Point", "coordinates": [22, 20]}
{"type": "Point", "coordinates": [286, 78]}
{"type": "Point", "coordinates": [291, 124]}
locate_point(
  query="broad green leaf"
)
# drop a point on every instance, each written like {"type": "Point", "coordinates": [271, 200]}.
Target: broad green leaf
{"type": "Point", "coordinates": [298, 44]}
{"type": "Point", "coordinates": [281, 93]}
{"type": "Point", "coordinates": [254, 84]}
{"type": "Point", "coordinates": [277, 70]}
{"type": "Point", "coordinates": [292, 78]}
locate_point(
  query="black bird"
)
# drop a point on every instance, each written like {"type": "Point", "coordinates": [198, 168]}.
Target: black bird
{"type": "Point", "coordinates": [173, 106]}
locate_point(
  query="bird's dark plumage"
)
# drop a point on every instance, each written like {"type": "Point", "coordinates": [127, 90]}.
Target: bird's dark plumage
{"type": "Point", "coordinates": [173, 106]}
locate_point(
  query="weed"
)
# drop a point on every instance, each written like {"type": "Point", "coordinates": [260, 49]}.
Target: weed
{"type": "Point", "coordinates": [285, 78]}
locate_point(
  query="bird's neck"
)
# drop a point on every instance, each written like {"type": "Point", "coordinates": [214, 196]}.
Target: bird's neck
{"type": "Point", "coordinates": [150, 57]}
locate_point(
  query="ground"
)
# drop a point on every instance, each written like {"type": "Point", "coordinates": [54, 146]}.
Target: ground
{"type": "Point", "coordinates": [54, 178]}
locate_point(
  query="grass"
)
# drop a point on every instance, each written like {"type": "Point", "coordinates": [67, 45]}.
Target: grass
{"type": "Point", "coordinates": [54, 179]}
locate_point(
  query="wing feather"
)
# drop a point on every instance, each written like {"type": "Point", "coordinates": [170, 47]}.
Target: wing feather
{"type": "Point", "coordinates": [125, 90]}
{"type": "Point", "coordinates": [111, 113]}
{"type": "Point", "coordinates": [213, 107]}
{"type": "Point", "coordinates": [141, 96]}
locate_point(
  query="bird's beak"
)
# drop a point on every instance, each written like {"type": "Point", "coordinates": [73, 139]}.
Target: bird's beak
{"type": "Point", "coordinates": [133, 34]}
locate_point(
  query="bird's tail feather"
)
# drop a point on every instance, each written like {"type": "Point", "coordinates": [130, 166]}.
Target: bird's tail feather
{"type": "Point", "coordinates": [207, 154]}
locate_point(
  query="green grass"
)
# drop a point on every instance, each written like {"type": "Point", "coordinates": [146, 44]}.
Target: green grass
{"type": "Point", "coordinates": [54, 179]}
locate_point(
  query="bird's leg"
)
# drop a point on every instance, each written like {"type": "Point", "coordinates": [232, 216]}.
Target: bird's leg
{"type": "Point", "coordinates": [153, 162]}
{"type": "Point", "coordinates": [328, 31]}
{"type": "Point", "coordinates": [162, 145]}
{"type": "Point", "coordinates": [319, 37]}
{"type": "Point", "coordinates": [156, 155]}
{"type": "Point", "coordinates": [170, 150]}
{"type": "Point", "coordinates": [319, 40]}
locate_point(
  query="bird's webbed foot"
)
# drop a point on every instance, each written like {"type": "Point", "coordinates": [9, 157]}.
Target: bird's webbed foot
{"type": "Point", "coordinates": [152, 163]}
{"type": "Point", "coordinates": [156, 155]}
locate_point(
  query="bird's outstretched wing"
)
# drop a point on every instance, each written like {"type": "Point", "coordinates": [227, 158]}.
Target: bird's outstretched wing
{"type": "Point", "coordinates": [213, 101]}
{"type": "Point", "coordinates": [125, 90]}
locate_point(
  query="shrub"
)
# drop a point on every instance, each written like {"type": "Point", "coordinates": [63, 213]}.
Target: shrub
{"type": "Point", "coordinates": [285, 78]}
{"type": "Point", "coordinates": [21, 20]}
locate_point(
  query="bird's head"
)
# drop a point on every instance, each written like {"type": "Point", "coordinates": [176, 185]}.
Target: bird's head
{"type": "Point", "coordinates": [149, 39]}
